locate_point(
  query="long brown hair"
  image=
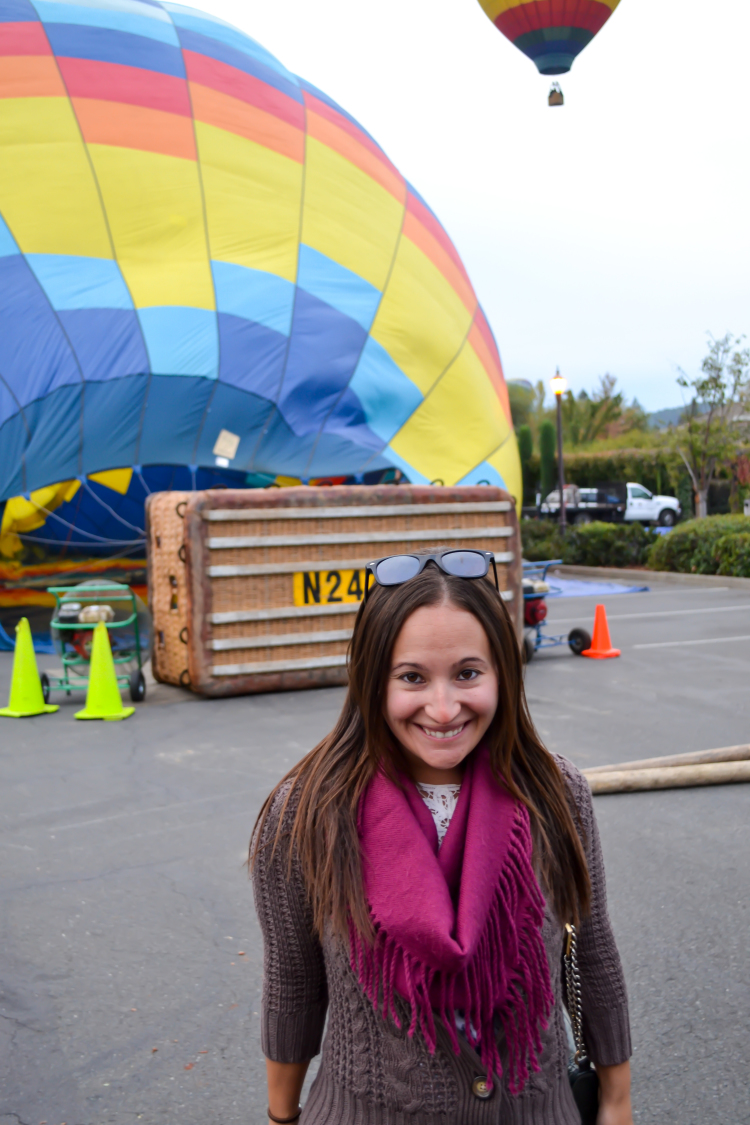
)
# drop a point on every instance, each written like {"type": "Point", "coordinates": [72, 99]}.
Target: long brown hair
{"type": "Point", "coordinates": [323, 791]}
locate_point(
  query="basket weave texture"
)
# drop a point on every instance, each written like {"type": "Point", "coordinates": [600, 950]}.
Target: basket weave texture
{"type": "Point", "coordinates": [242, 553]}
{"type": "Point", "coordinates": [167, 585]}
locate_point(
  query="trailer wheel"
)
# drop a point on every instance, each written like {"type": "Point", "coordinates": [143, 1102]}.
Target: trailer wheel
{"type": "Point", "coordinates": [529, 647]}
{"type": "Point", "coordinates": [44, 679]}
{"type": "Point", "coordinates": [666, 518]}
{"type": "Point", "coordinates": [137, 686]}
{"type": "Point", "coordinates": [579, 640]}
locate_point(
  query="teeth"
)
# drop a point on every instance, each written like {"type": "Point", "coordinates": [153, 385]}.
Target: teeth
{"type": "Point", "coordinates": [443, 733]}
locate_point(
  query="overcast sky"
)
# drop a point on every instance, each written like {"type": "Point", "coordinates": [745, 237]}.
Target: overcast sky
{"type": "Point", "coordinates": [609, 235]}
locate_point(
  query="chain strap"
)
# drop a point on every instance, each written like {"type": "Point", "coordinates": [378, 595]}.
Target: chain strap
{"type": "Point", "coordinates": [573, 991]}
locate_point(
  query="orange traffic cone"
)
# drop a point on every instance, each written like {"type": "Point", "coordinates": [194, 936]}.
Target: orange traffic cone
{"type": "Point", "coordinates": [601, 646]}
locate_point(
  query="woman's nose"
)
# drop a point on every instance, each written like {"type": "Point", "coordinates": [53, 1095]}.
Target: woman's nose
{"type": "Point", "coordinates": [442, 706]}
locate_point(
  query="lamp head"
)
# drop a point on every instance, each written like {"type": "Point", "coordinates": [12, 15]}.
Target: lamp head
{"type": "Point", "coordinates": [557, 383]}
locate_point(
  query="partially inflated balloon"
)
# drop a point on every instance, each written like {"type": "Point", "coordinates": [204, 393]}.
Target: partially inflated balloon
{"type": "Point", "coordinates": [204, 262]}
{"type": "Point", "coordinates": [550, 32]}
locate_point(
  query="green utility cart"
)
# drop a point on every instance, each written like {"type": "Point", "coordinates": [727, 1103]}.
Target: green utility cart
{"type": "Point", "coordinates": [78, 610]}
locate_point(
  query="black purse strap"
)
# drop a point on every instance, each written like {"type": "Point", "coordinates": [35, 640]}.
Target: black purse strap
{"type": "Point", "coordinates": [573, 992]}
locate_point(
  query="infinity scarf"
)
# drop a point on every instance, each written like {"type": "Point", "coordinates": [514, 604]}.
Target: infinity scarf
{"type": "Point", "coordinates": [457, 926]}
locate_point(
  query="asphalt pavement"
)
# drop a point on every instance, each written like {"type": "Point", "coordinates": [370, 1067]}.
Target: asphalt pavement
{"type": "Point", "coordinates": [130, 959]}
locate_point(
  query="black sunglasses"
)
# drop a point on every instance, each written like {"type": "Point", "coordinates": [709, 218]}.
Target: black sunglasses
{"type": "Point", "coordinates": [393, 570]}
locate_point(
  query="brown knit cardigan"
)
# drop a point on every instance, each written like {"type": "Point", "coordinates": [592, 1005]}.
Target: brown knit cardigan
{"type": "Point", "coordinates": [371, 1073]}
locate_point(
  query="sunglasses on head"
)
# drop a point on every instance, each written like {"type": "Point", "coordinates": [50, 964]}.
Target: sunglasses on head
{"type": "Point", "coordinates": [394, 570]}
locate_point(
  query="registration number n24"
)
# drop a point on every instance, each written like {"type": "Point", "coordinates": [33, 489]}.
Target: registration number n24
{"type": "Point", "coordinates": [326, 587]}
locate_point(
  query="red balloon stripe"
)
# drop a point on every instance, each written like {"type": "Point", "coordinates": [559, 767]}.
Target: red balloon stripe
{"type": "Point", "coordinates": [589, 15]}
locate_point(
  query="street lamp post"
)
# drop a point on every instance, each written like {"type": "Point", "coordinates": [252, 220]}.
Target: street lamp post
{"type": "Point", "coordinates": [558, 385]}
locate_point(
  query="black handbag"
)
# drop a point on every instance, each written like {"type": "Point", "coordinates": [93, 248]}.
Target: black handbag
{"type": "Point", "coordinates": [584, 1081]}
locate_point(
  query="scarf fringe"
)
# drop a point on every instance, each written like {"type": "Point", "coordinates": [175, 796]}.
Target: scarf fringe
{"type": "Point", "coordinates": [510, 953]}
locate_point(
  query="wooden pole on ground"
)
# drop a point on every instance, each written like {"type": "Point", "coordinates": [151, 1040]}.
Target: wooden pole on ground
{"type": "Point", "coordinates": [669, 777]}
{"type": "Point", "coordinates": [698, 758]}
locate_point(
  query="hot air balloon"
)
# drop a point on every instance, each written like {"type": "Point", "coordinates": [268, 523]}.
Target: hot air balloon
{"type": "Point", "coordinates": [550, 32]}
{"type": "Point", "coordinates": [211, 273]}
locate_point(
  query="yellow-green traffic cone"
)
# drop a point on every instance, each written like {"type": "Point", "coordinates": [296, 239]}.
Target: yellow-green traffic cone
{"type": "Point", "coordinates": [26, 696]}
{"type": "Point", "coordinates": [103, 699]}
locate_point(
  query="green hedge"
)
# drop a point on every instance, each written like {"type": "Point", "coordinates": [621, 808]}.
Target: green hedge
{"type": "Point", "coordinates": [715, 545]}
{"type": "Point", "coordinates": [733, 555]}
{"type": "Point", "coordinates": [590, 544]}
{"type": "Point", "coordinates": [646, 466]}
{"type": "Point", "coordinates": [541, 540]}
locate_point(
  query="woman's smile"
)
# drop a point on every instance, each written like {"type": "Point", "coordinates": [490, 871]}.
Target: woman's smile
{"type": "Point", "coordinates": [436, 733]}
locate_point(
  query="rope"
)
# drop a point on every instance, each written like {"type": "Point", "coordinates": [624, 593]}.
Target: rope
{"type": "Point", "coordinates": [111, 510]}
{"type": "Point", "coordinates": [101, 542]}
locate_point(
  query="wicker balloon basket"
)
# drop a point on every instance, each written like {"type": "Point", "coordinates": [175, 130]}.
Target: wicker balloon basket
{"type": "Point", "coordinates": [256, 590]}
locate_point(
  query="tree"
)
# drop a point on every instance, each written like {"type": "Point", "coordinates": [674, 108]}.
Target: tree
{"type": "Point", "coordinates": [538, 412]}
{"type": "Point", "coordinates": [525, 450]}
{"type": "Point", "coordinates": [521, 396]}
{"type": "Point", "coordinates": [547, 467]}
{"type": "Point", "coordinates": [714, 421]}
{"type": "Point", "coordinates": [603, 413]}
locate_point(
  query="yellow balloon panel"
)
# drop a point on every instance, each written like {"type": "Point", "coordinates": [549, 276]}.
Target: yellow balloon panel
{"type": "Point", "coordinates": [59, 214]}
{"type": "Point", "coordinates": [465, 395]}
{"type": "Point", "coordinates": [155, 213]}
{"type": "Point", "coordinates": [507, 463]}
{"type": "Point", "coordinates": [253, 196]}
{"type": "Point", "coordinates": [348, 216]}
{"type": "Point", "coordinates": [423, 344]}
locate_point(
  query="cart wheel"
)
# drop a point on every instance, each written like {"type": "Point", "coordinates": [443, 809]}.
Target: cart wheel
{"type": "Point", "coordinates": [44, 679]}
{"type": "Point", "coordinates": [579, 640]}
{"type": "Point", "coordinates": [529, 647]}
{"type": "Point", "coordinates": [137, 686]}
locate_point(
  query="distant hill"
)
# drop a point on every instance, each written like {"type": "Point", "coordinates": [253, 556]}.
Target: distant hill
{"type": "Point", "coordinates": [660, 419]}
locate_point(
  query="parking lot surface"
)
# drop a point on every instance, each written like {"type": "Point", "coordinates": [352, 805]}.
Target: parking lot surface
{"type": "Point", "coordinates": [130, 959]}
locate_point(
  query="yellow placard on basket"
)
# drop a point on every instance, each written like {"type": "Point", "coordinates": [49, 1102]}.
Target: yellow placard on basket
{"type": "Point", "coordinates": [326, 587]}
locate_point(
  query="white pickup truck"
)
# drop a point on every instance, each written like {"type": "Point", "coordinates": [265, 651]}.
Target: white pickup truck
{"type": "Point", "coordinates": [614, 503]}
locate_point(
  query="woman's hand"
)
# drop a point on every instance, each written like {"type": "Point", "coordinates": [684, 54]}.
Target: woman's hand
{"type": "Point", "coordinates": [620, 1114]}
{"type": "Point", "coordinates": [614, 1095]}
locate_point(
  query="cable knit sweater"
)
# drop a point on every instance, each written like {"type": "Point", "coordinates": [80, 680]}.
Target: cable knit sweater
{"type": "Point", "coordinates": [371, 1073]}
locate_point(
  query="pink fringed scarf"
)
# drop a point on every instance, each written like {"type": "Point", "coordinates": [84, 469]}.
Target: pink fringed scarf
{"type": "Point", "coordinates": [460, 926]}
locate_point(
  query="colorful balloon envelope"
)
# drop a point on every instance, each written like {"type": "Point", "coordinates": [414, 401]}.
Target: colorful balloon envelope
{"type": "Point", "coordinates": [205, 262]}
{"type": "Point", "coordinates": [550, 32]}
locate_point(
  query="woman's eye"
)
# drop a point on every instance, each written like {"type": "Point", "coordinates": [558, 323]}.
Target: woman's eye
{"type": "Point", "coordinates": [412, 678]}
{"type": "Point", "coordinates": [468, 674]}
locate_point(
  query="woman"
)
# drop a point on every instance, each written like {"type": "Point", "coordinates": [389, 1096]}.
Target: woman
{"type": "Point", "coordinates": [413, 876]}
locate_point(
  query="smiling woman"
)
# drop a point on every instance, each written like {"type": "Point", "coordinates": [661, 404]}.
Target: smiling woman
{"type": "Point", "coordinates": [440, 710]}
{"type": "Point", "coordinates": [413, 876]}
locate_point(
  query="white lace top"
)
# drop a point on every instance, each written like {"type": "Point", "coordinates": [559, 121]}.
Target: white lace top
{"type": "Point", "coordinates": [441, 800]}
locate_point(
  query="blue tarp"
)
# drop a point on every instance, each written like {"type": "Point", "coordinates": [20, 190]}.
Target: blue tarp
{"type": "Point", "coordinates": [42, 642]}
{"type": "Point", "coordinates": [579, 588]}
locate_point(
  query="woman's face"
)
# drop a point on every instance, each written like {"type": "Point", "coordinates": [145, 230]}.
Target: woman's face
{"type": "Point", "coordinates": [442, 691]}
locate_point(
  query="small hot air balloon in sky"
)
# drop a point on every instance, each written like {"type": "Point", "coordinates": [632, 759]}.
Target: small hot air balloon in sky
{"type": "Point", "coordinates": [550, 32]}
